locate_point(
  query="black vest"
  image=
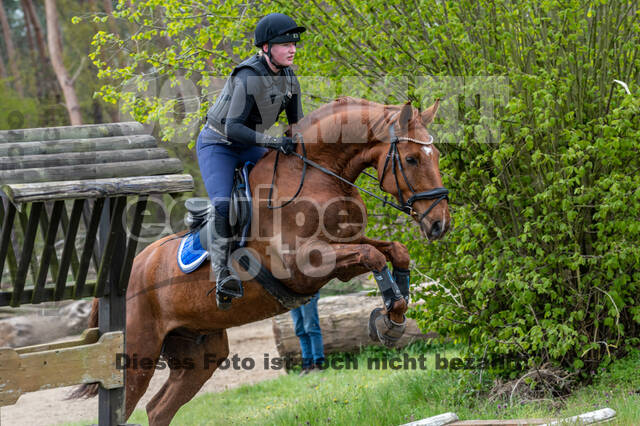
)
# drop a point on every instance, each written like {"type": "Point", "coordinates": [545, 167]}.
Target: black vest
{"type": "Point", "coordinates": [272, 94]}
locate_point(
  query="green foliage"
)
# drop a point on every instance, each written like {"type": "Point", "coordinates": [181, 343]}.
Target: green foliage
{"type": "Point", "coordinates": [544, 258]}
{"type": "Point", "coordinates": [173, 56]}
{"type": "Point", "coordinates": [16, 112]}
{"type": "Point", "coordinates": [544, 261]}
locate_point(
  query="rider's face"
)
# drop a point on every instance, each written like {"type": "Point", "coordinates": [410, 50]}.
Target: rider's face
{"type": "Point", "coordinates": [283, 53]}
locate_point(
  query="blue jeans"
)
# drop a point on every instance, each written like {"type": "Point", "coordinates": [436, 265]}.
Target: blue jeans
{"type": "Point", "coordinates": [218, 161]}
{"type": "Point", "coordinates": [307, 328]}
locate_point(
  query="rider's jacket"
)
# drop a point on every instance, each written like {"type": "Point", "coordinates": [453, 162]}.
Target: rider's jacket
{"type": "Point", "coordinates": [251, 101]}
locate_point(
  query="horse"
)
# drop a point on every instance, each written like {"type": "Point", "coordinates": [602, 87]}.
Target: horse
{"type": "Point", "coordinates": [169, 313]}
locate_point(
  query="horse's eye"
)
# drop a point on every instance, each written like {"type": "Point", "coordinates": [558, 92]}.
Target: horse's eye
{"type": "Point", "coordinates": [412, 161]}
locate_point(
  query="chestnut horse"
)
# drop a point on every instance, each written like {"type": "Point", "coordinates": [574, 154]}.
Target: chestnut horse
{"type": "Point", "coordinates": [168, 312]}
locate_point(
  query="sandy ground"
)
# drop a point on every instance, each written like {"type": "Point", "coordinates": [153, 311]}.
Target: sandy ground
{"type": "Point", "coordinates": [49, 407]}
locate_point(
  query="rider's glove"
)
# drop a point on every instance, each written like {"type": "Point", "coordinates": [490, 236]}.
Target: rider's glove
{"type": "Point", "coordinates": [285, 144]}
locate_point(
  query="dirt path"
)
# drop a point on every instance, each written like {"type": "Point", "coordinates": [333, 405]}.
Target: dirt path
{"type": "Point", "coordinates": [49, 408]}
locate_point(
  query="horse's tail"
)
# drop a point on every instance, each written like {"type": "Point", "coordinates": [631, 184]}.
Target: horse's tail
{"type": "Point", "coordinates": [88, 390]}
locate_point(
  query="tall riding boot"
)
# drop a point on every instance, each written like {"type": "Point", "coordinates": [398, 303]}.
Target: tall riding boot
{"type": "Point", "coordinates": [216, 238]}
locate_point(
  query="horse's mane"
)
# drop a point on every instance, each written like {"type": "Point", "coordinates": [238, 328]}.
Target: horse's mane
{"type": "Point", "coordinates": [341, 103]}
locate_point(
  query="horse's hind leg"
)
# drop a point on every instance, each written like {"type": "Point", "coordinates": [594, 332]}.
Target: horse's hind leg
{"type": "Point", "coordinates": [192, 363]}
{"type": "Point", "coordinates": [141, 344]}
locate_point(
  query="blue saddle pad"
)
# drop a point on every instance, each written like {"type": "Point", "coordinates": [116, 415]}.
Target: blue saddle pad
{"type": "Point", "coordinates": [191, 254]}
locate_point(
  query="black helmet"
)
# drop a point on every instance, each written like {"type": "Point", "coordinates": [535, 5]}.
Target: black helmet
{"type": "Point", "coordinates": [277, 28]}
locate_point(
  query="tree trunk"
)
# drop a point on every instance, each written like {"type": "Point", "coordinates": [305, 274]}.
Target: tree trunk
{"type": "Point", "coordinates": [46, 83]}
{"type": "Point", "coordinates": [3, 70]}
{"type": "Point", "coordinates": [55, 50]}
{"type": "Point", "coordinates": [40, 81]}
{"type": "Point", "coordinates": [30, 39]}
{"type": "Point", "coordinates": [11, 51]}
{"type": "Point", "coordinates": [108, 8]}
{"type": "Point", "coordinates": [30, 14]}
{"type": "Point", "coordinates": [344, 321]}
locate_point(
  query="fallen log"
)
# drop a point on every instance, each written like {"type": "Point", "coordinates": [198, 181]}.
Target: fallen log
{"type": "Point", "coordinates": [343, 320]}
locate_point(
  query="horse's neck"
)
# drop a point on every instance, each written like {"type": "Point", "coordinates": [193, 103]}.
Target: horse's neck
{"type": "Point", "coordinates": [346, 149]}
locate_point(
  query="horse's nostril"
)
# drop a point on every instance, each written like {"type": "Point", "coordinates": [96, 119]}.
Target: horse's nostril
{"type": "Point", "coordinates": [436, 228]}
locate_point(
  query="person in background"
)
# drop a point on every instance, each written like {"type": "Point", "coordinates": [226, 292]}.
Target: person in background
{"type": "Point", "coordinates": [307, 327]}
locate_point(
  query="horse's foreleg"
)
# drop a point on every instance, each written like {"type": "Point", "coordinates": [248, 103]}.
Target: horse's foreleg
{"type": "Point", "coordinates": [192, 363]}
{"type": "Point", "coordinates": [395, 252]}
{"type": "Point", "coordinates": [386, 325]}
{"type": "Point", "coordinates": [398, 255]}
{"type": "Point", "coordinates": [356, 259]}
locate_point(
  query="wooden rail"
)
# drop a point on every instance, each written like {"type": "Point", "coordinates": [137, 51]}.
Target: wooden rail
{"type": "Point", "coordinates": [90, 359]}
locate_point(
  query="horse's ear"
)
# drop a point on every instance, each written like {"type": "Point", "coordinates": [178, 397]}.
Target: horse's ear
{"type": "Point", "coordinates": [429, 114]}
{"type": "Point", "coordinates": [406, 115]}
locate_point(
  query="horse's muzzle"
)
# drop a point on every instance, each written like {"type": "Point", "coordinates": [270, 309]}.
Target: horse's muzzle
{"type": "Point", "coordinates": [435, 229]}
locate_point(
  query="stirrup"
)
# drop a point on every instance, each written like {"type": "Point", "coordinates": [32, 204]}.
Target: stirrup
{"type": "Point", "coordinates": [227, 289]}
{"type": "Point", "coordinates": [230, 286]}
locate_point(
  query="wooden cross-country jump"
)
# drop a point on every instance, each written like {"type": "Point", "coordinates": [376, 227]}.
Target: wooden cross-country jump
{"type": "Point", "coordinates": [75, 184]}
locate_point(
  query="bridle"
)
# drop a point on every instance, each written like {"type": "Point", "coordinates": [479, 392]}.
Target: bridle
{"type": "Point", "coordinates": [393, 157]}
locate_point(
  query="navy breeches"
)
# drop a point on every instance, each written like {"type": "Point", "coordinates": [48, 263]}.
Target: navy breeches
{"type": "Point", "coordinates": [218, 161]}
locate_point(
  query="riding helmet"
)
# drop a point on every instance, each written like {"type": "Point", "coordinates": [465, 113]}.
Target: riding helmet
{"type": "Point", "coordinates": [277, 28]}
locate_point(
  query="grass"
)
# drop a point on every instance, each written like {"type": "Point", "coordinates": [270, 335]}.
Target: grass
{"type": "Point", "coordinates": [391, 397]}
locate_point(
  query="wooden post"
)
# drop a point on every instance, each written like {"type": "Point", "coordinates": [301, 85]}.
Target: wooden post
{"type": "Point", "coordinates": [132, 244]}
{"type": "Point", "coordinates": [48, 252]}
{"type": "Point", "coordinates": [112, 313]}
{"type": "Point", "coordinates": [8, 217]}
{"type": "Point", "coordinates": [84, 360]}
{"type": "Point", "coordinates": [439, 420]}
{"type": "Point", "coordinates": [73, 132]}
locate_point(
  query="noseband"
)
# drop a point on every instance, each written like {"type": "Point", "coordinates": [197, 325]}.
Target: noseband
{"type": "Point", "coordinates": [393, 157]}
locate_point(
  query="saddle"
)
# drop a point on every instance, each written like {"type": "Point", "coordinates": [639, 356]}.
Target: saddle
{"type": "Point", "coordinates": [191, 255]}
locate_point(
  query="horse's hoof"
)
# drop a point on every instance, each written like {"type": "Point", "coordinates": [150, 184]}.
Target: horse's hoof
{"type": "Point", "coordinates": [389, 332]}
{"type": "Point", "coordinates": [373, 332]}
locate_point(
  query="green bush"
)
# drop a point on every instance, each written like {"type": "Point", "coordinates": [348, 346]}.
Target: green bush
{"type": "Point", "coordinates": [544, 261]}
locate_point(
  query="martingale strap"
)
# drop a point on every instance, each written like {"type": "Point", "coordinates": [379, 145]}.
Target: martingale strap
{"type": "Point", "coordinates": [287, 298]}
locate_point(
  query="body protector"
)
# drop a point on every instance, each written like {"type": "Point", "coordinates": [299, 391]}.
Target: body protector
{"type": "Point", "coordinates": [272, 94]}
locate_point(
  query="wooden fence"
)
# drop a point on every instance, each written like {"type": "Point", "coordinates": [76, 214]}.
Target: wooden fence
{"type": "Point", "coordinates": [73, 203]}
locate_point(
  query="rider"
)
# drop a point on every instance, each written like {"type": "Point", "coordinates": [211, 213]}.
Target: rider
{"type": "Point", "coordinates": [253, 97]}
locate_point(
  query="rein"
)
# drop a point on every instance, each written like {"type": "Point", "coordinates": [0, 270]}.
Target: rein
{"type": "Point", "coordinates": [273, 178]}
{"type": "Point", "coordinates": [393, 155]}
